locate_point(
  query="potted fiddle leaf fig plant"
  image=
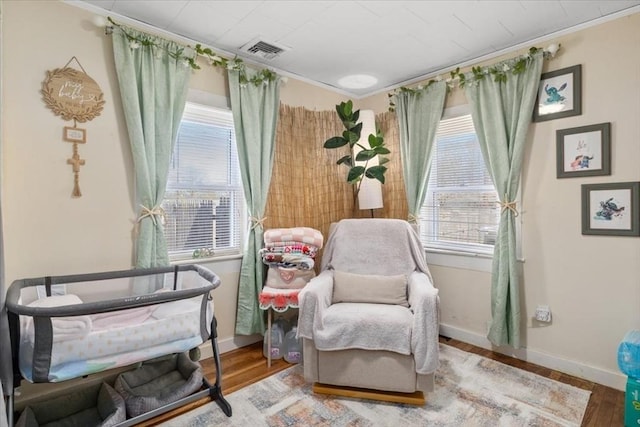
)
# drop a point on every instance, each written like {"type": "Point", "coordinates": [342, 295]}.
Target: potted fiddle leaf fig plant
{"type": "Point", "coordinates": [366, 151]}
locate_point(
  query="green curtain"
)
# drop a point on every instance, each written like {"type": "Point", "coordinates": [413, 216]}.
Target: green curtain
{"type": "Point", "coordinates": [255, 114]}
{"type": "Point", "coordinates": [419, 113]}
{"type": "Point", "coordinates": [153, 88]}
{"type": "Point", "coordinates": [501, 113]}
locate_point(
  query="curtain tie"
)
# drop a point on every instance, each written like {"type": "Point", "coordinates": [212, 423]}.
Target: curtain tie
{"type": "Point", "coordinates": [508, 205]}
{"type": "Point", "coordinates": [152, 213]}
{"type": "Point", "coordinates": [257, 222]}
{"type": "Point", "coordinates": [413, 219]}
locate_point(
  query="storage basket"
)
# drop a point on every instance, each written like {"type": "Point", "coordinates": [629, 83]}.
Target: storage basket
{"type": "Point", "coordinates": [93, 406]}
{"type": "Point", "coordinates": [158, 382]}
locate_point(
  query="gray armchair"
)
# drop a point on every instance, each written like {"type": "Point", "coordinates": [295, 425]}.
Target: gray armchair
{"type": "Point", "coordinates": [370, 318]}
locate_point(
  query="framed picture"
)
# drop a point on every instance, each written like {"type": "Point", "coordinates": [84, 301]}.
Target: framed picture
{"type": "Point", "coordinates": [559, 94]}
{"type": "Point", "coordinates": [583, 151]}
{"type": "Point", "coordinates": [611, 209]}
{"type": "Point", "coordinates": [74, 135]}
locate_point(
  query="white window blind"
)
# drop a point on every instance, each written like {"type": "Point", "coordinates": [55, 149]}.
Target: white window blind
{"type": "Point", "coordinates": [460, 211]}
{"type": "Point", "coordinates": [204, 203]}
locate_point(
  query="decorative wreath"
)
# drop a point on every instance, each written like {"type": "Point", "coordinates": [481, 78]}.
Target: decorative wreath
{"type": "Point", "coordinates": [72, 94]}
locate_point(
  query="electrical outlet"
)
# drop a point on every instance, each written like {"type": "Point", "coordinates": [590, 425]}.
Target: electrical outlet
{"type": "Point", "coordinates": [543, 314]}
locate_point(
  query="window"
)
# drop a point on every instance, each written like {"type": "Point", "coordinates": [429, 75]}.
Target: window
{"type": "Point", "coordinates": [204, 203]}
{"type": "Point", "coordinates": [460, 212]}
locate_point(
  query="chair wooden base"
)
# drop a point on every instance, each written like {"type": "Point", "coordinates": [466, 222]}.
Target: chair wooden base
{"type": "Point", "coordinates": [415, 398]}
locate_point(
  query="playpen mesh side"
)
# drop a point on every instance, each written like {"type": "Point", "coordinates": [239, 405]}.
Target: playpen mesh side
{"type": "Point", "coordinates": [51, 322]}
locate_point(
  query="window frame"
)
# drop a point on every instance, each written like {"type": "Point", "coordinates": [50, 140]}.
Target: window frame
{"type": "Point", "coordinates": [213, 101]}
{"type": "Point", "coordinates": [461, 256]}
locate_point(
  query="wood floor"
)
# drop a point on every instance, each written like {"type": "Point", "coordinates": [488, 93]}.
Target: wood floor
{"type": "Point", "coordinates": [246, 365]}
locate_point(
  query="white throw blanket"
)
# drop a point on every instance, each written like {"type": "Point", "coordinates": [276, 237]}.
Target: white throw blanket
{"type": "Point", "coordinates": [64, 328]}
{"type": "Point", "coordinates": [365, 326]}
{"type": "Point", "coordinates": [374, 246]}
{"type": "Point", "coordinates": [120, 318]}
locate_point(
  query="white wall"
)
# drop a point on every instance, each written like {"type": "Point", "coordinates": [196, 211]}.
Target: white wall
{"type": "Point", "coordinates": [47, 231]}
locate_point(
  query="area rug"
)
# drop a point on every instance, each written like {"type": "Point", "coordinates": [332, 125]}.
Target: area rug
{"type": "Point", "coordinates": [470, 391]}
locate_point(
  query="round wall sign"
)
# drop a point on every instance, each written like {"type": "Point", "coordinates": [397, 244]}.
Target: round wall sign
{"type": "Point", "coordinates": [72, 94]}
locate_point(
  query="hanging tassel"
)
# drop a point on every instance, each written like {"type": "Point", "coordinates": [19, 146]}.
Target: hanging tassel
{"type": "Point", "coordinates": [76, 186]}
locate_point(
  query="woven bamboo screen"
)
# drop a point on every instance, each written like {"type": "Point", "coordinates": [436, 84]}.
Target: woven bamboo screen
{"type": "Point", "coordinates": [308, 189]}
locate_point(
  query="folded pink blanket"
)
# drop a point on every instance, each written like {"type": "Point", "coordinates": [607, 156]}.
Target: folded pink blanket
{"type": "Point", "coordinates": [114, 319]}
{"type": "Point", "coordinates": [307, 235]}
{"type": "Point", "coordinates": [290, 248]}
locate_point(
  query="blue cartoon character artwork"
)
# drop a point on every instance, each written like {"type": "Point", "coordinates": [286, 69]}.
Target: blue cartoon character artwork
{"type": "Point", "coordinates": [559, 94]}
{"type": "Point", "coordinates": [581, 162]}
{"type": "Point", "coordinates": [553, 94]}
{"type": "Point", "coordinates": [609, 209]}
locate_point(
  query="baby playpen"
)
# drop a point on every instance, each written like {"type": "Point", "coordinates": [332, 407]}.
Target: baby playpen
{"type": "Point", "coordinates": [67, 327]}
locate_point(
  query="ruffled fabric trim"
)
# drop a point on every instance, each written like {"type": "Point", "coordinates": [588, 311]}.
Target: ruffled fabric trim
{"type": "Point", "coordinates": [278, 299]}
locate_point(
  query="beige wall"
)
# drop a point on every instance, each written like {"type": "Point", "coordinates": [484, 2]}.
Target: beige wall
{"type": "Point", "coordinates": [591, 283]}
{"type": "Point", "coordinates": [46, 231]}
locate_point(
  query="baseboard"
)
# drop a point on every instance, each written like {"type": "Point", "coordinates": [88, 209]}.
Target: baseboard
{"type": "Point", "coordinates": [227, 344]}
{"type": "Point", "coordinates": [610, 379]}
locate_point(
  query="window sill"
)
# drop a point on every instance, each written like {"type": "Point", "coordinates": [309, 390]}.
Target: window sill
{"type": "Point", "coordinates": [458, 259]}
{"type": "Point", "coordinates": [205, 260]}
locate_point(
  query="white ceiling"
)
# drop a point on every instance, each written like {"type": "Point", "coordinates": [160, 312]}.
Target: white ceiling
{"type": "Point", "coordinates": [397, 42]}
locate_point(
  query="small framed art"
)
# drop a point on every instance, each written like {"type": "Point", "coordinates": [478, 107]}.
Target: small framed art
{"type": "Point", "coordinates": [611, 209]}
{"type": "Point", "coordinates": [74, 135]}
{"type": "Point", "coordinates": [583, 151]}
{"type": "Point", "coordinates": [559, 94]}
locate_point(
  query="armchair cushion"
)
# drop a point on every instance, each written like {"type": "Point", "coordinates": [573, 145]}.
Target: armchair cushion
{"type": "Point", "coordinates": [366, 326]}
{"type": "Point", "coordinates": [367, 288]}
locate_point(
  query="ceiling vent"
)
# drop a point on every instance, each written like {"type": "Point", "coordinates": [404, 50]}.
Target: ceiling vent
{"type": "Point", "coordinates": [263, 49]}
